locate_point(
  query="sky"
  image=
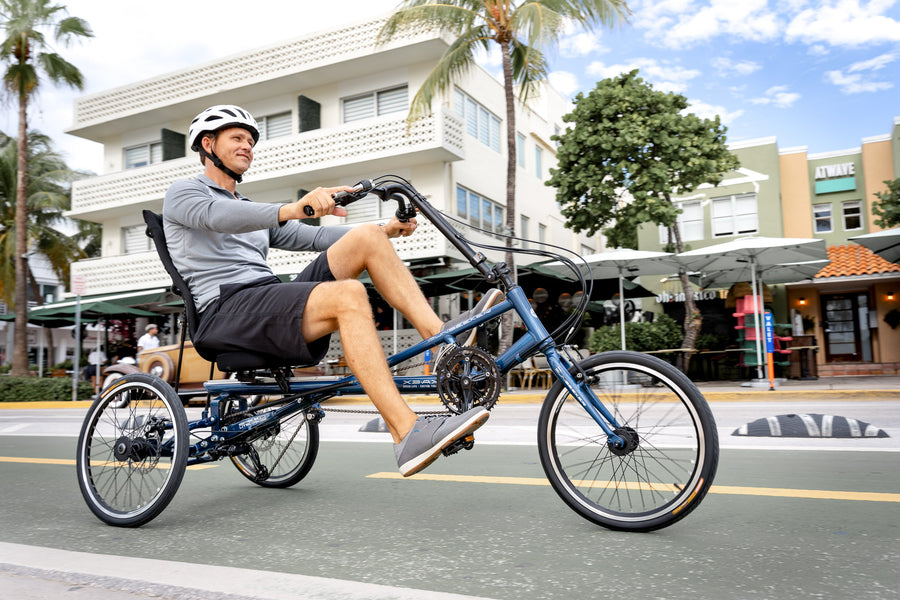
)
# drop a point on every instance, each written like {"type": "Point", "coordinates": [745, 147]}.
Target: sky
{"type": "Point", "coordinates": [820, 74]}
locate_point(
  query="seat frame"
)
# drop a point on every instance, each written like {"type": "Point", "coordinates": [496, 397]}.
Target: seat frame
{"type": "Point", "coordinates": [244, 364]}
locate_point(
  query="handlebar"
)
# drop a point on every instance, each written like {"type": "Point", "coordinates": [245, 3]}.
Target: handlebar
{"type": "Point", "coordinates": [359, 190]}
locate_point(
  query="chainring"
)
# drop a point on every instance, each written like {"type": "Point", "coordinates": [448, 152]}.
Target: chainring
{"type": "Point", "coordinates": [467, 377]}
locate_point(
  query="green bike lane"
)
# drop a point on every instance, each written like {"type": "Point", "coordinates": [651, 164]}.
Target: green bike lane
{"type": "Point", "coordinates": [482, 523]}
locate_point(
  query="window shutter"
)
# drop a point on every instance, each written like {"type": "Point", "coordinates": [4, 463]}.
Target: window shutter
{"type": "Point", "coordinates": [361, 107]}
{"type": "Point", "coordinates": [309, 114]}
{"type": "Point", "coordinates": [173, 144]}
{"type": "Point", "coordinates": [278, 125]}
{"type": "Point", "coordinates": [392, 101]}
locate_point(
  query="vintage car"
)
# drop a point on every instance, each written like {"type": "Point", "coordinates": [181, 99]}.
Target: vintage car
{"type": "Point", "coordinates": [163, 362]}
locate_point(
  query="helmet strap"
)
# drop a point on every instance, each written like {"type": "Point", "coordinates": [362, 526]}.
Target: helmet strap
{"type": "Point", "coordinates": [216, 161]}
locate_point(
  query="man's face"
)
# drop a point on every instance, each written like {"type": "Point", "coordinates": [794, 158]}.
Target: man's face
{"type": "Point", "coordinates": [234, 146]}
{"type": "Point", "coordinates": [152, 331]}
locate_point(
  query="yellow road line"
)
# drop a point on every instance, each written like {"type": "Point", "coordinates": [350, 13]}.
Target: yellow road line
{"type": "Point", "coordinates": [716, 489]}
{"type": "Point", "coordinates": [65, 462]}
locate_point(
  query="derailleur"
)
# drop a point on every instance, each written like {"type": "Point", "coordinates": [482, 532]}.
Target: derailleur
{"type": "Point", "coordinates": [467, 377]}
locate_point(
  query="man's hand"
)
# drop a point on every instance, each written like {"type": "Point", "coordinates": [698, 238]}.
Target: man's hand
{"type": "Point", "coordinates": [395, 228]}
{"type": "Point", "coordinates": [319, 200]}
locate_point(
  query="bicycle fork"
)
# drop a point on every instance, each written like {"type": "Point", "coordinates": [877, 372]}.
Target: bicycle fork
{"type": "Point", "coordinates": [536, 334]}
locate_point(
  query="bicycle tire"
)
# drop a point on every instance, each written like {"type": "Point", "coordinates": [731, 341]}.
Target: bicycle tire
{"type": "Point", "coordinates": [670, 464]}
{"type": "Point", "coordinates": [287, 450]}
{"type": "Point", "coordinates": [132, 450]}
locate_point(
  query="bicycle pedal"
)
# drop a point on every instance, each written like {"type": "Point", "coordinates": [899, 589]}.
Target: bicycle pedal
{"type": "Point", "coordinates": [466, 443]}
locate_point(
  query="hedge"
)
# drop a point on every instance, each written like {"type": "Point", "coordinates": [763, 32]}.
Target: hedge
{"type": "Point", "coordinates": [660, 334]}
{"type": "Point", "coordinates": [36, 389]}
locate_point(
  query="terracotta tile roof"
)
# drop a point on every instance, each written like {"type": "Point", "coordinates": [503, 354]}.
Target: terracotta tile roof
{"type": "Point", "coordinates": [853, 259]}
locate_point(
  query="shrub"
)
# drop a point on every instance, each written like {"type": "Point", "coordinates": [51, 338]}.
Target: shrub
{"type": "Point", "coordinates": [660, 334]}
{"type": "Point", "coordinates": [35, 389]}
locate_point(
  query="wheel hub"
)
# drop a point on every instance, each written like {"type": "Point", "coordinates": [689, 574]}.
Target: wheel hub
{"type": "Point", "coordinates": [630, 438]}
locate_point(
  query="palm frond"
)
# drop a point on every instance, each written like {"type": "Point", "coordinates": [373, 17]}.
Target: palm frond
{"type": "Point", "coordinates": [458, 58]}
{"type": "Point", "coordinates": [426, 15]}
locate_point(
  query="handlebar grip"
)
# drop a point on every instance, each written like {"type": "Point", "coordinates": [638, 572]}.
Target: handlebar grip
{"type": "Point", "coordinates": [308, 210]}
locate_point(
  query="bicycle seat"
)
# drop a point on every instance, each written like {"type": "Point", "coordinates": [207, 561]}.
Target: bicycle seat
{"type": "Point", "coordinates": [227, 362]}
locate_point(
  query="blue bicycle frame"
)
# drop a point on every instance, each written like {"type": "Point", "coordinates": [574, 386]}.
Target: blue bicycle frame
{"type": "Point", "coordinates": [306, 394]}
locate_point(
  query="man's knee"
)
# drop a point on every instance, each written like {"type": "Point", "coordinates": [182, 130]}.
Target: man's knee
{"type": "Point", "coordinates": [352, 295]}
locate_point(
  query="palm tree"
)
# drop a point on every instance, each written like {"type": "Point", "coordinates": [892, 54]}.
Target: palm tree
{"type": "Point", "coordinates": [47, 199]}
{"type": "Point", "coordinates": [525, 31]}
{"type": "Point", "coordinates": [26, 54]}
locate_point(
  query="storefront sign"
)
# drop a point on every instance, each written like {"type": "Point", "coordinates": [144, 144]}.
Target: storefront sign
{"type": "Point", "coordinates": [835, 178]}
{"type": "Point", "coordinates": [834, 171]}
{"type": "Point", "coordinates": [666, 297]}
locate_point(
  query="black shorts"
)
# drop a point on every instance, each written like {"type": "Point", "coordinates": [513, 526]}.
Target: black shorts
{"type": "Point", "coordinates": [263, 317]}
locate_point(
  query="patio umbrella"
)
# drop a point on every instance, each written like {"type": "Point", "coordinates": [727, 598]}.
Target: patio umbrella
{"type": "Point", "coordinates": [621, 263]}
{"type": "Point", "coordinates": [752, 255]}
{"type": "Point", "coordinates": [883, 243]}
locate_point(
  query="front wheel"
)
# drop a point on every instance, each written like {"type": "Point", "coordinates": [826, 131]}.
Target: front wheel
{"type": "Point", "coordinates": [132, 450]}
{"type": "Point", "coordinates": [671, 447]}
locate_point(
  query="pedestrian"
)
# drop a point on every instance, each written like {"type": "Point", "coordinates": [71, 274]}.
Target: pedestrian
{"type": "Point", "coordinates": [149, 341]}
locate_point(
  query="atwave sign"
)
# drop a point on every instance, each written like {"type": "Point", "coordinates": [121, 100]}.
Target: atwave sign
{"type": "Point", "coordinates": [835, 178]}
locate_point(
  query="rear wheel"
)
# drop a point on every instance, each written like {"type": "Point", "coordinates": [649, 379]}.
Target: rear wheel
{"type": "Point", "coordinates": [132, 450]}
{"type": "Point", "coordinates": [286, 452]}
{"type": "Point", "coordinates": [671, 447]}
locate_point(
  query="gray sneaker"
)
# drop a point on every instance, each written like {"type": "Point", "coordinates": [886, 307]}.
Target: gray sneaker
{"type": "Point", "coordinates": [431, 434]}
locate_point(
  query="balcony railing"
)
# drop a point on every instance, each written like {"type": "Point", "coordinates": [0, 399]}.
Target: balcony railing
{"type": "Point", "coordinates": [439, 137]}
{"type": "Point", "coordinates": [263, 66]}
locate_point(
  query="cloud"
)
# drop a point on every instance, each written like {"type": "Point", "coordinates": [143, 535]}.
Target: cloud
{"type": "Point", "coordinates": [855, 84]}
{"type": "Point", "coordinates": [728, 67]}
{"type": "Point", "coordinates": [777, 96]}
{"type": "Point", "coordinates": [705, 110]}
{"type": "Point", "coordinates": [663, 75]}
{"type": "Point", "coordinates": [564, 82]}
{"type": "Point", "coordinates": [681, 24]}
{"type": "Point", "coordinates": [873, 64]}
{"type": "Point", "coordinates": [858, 78]}
{"type": "Point", "coordinates": [581, 44]}
{"type": "Point", "coordinates": [844, 23]}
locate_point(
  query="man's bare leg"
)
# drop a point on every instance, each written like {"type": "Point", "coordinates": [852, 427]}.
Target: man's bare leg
{"type": "Point", "coordinates": [367, 248]}
{"type": "Point", "coordinates": [343, 306]}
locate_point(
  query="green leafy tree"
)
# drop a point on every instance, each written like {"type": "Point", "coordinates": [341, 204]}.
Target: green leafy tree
{"type": "Point", "coordinates": [887, 209]}
{"type": "Point", "coordinates": [47, 199]}
{"type": "Point", "coordinates": [27, 55]}
{"type": "Point", "coordinates": [524, 31]}
{"type": "Point", "coordinates": [629, 151]}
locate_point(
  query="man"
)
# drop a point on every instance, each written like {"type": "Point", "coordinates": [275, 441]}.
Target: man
{"type": "Point", "coordinates": [149, 341]}
{"type": "Point", "coordinates": [219, 240]}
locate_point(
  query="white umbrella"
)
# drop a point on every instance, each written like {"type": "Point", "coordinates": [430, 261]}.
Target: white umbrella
{"type": "Point", "coordinates": [884, 243]}
{"type": "Point", "coordinates": [785, 273]}
{"type": "Point", "coordinates": [754, 254]}
{"type": "Point", "coordinates": [621, 263]}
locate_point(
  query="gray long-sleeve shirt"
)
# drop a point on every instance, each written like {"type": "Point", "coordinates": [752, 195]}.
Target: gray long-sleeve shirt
{"type": "Point", "coordinates": [215, 238]}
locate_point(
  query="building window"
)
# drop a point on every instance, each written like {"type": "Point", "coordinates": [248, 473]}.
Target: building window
{"type": "Point", "coordinates": [478, 210]}
{"type": "Point", "coordinates": [542, 232]}
{"type": "Point", "coordinates": [375, 104]}
{"type": "Point", "coordinates": [143, 155]}
{"type": "Point", "coordinates": [852, 215]}
{"type": "Point", "coordinates": [524, 229]}
{"type": "Point", "coordinates": [690, 223]}
{"type": "Point", "coordinates": [538, 161]}
{"type": "Point", "coordinates": [520, 149]}
{"type": "Point", "coordinates": [135, 239]}
{"type": "Point", "coordinates": [822, 218]}
{"type": "Point", "coordinates": [480, 122]}
{"type": "Point", "coordinates": [734, 215]}
{"type": "Point", "coordinates": [273, 126]}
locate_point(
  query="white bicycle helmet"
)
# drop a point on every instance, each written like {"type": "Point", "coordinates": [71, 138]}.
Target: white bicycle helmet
{"type": "Point", "coordinates": [219, 117]}
{"type": "Point", "coordinates": [216, 118]}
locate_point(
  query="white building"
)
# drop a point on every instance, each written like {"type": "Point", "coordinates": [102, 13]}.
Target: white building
{"type": "Point", "coordinates": [331, 112]}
